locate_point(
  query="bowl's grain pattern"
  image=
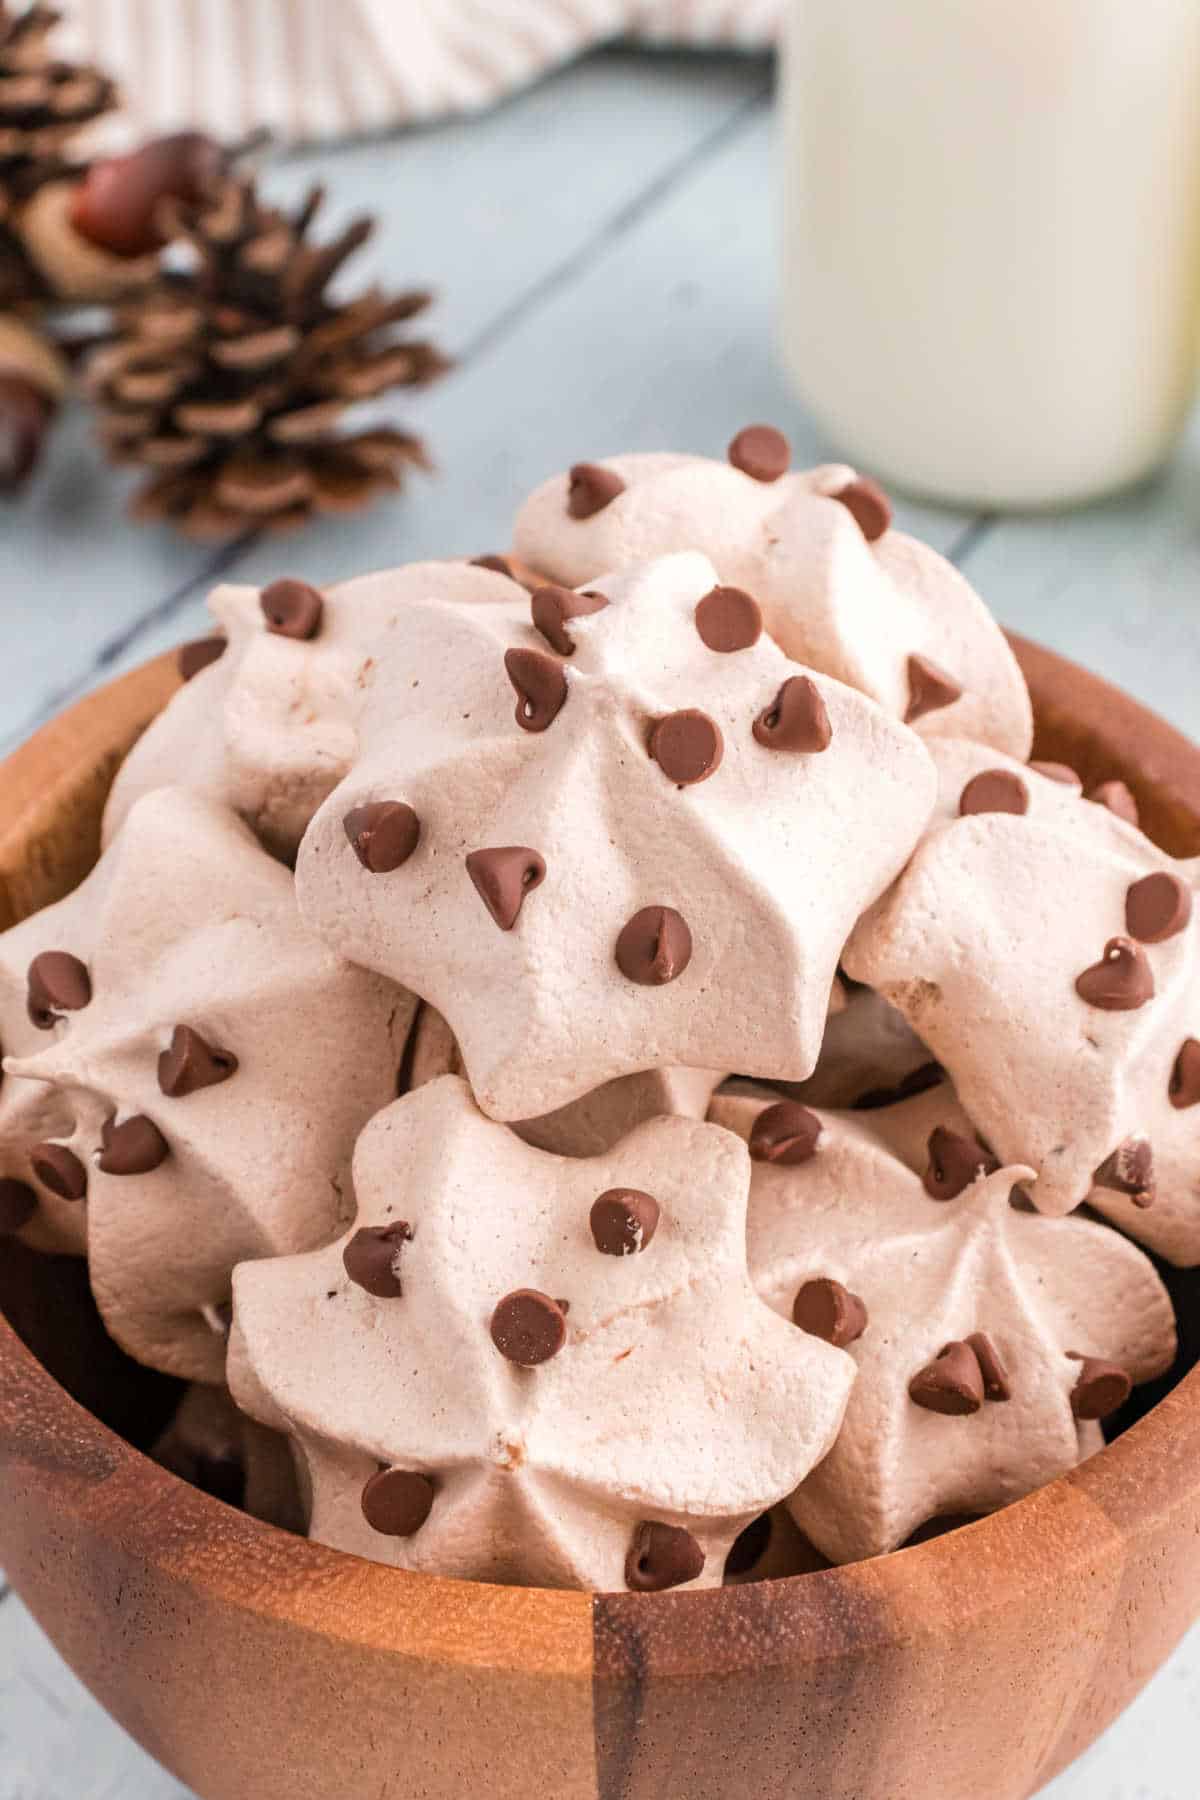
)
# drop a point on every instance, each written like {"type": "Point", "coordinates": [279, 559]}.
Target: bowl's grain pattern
{"type": "Point", "coordinates": [259, 1667]}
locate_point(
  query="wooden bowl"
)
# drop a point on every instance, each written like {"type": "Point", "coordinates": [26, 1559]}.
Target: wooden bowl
{"type": "Point", "coordinates": [257, 1666]}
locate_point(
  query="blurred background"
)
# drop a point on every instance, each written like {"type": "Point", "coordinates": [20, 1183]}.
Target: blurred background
{"type": "Point", "coordinates": [955, 244]}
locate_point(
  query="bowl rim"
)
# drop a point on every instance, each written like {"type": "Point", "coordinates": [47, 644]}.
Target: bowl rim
{"type": "Point", "coordinates": [936, 1590]}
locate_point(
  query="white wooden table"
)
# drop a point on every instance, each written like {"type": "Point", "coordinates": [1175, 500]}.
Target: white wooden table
{"type": "Point", "coordinates": [604, 249]}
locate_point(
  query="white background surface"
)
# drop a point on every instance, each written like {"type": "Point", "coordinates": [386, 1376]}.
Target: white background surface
{"type": "Point", "coordinates": [604, 248]}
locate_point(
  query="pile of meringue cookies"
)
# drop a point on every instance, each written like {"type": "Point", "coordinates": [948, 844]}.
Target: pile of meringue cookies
{"type": "Point", "coordinates": [615, 1050]}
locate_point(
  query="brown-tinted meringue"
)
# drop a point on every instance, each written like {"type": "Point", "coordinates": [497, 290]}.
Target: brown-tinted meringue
{"type": "Point", "coordinates": [838, 590]}
{"type": "Point", "coordinates": [1049, 957]}
{"type": "Point", "coordinates": [979, 1330]}
{"type": "Point", "coordinates": [270, 727]}
{"type": "Point", "coordinates": [674, 841]}
{"type": "Point", "coordinates": [621, 1432]}
{"type": "Point", "coordinates": [217, 1078]}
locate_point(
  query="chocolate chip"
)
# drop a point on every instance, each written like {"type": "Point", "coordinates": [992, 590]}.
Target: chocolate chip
{"type": "Point", "coordinates": [1118, 799]}
{"type": "Point", "coordinates": [1129, 1170]}
{"type": "Point", "coordinates": [624, 1221]}
{"type": "Point", "coordinates": [868, 505]}
{"type": "Point", "coordinates": [955, 1162]}
{"type": "Point", "coordinates": [397, 1502]}
{"type": "Point", "coordinates": [134, 1147]}
{"type": "Point", "coordinates": [499, 565]}
{"type": "Point", "coordinates": [529, 1328]}
{"type": "Point", "coordinates": [1121, 981]}
{"type": "Point", "coordinates": [687, 746]}
{"type": "Point", "coordinates": [18, 1203]}
{"type": "Point", "coordinates": [192, 1063]}
{"type": "Point", "coordinates": [827, 1310]}
{"type": "Point", "coordinates": [994, 791]}
{"type": "Point", "coordinates": [996, 1385]}
{"type": "Point", "coordinates": [590, 488]}
{"type": "Point", "coordinates": [1101, 1388]}
{"type": "Point", "coordinates": [1060, 772]}
{"type": "Point", "coordinates": [383, 834]}
{"type": "Point", "coordinates": [1184, 1088]}
{"type": "Point", "coordinates": [552, 607]}
{"type": "Point", "coordinates": [292, 609]}
{"type": "Point", "coordinates": [654, 947]}
{"type": "Point", "coordinates": [58, 983]}
{"type": "Point", "coordinates": [372, 1255]}
{"type": "Point", "coordinates": [541, 687]}
{"type": "Point", "coordinates": [1157, 907]}
{"type": "Point", "coordinates": [761, 452]}
{"type": "Point", "coordinates": [503, 877]}
{"type": "Point", "coordinates": [786, 1133]}
{"type": "Point", "coordinates": [729, 619]}
{"type": "Point", "coordinates": [929, 689]}
{"type": "Point", "coordinates": [200, 654]}
{"type": "Point", "coordinates": [60, 1170]}
{"type": "Point", "coordinates": [796, 719]}
{"type": "Point", "coordinates": [661, 1557]}
{"type": "Point", "coordinates": [952, 1384]}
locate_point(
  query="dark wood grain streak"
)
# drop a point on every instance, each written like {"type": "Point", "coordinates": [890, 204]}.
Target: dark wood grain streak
{"type": "Point", "coordinates": [702, 1694]}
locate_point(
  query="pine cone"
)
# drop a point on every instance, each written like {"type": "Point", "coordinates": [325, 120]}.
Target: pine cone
{"type": "Point", "coordinates": [43, 103]}
{"type": "Point", "coordinates": [230, 378]}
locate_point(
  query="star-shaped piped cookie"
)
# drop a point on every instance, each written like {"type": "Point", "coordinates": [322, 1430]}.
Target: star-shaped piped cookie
{"type": "Point", "coordinates": [1049, 956]}
{"type": "Point", "coordinates": [839, 588]}
{"type": "Point", "coordinates": [989, 1340]}
{"type": "Point", "coordinates": [266, 721]}
{"type": "Point", "coordinates": [606, 846]}
{"type": "Point", "coordinates": [218, 1063]}
{"type": "Point", "coordinates": [518, 1367]}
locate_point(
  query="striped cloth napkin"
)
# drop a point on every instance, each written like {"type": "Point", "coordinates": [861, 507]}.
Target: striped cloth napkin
{"type": "Point", "coordinates": [309, 69]}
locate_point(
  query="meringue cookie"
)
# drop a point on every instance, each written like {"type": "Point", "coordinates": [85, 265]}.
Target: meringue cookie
{"type": "Point", "coordinates": [1027, 950]}
{"type": "Point", "coordinates": [653, 864]}
{"type": "Point", "coordinates": [218, 1074]}
{"type": "Point", "coordinates": [973, 778]}
{"type": "Point", "coordinates": [269, 727]}
{"type": "Point", "coordinates": [480, 1390]}
{"type": "Point", "coordinates": [222, 1451]}
{"type": "Point", "coordinates": [988, 1340]}
{"type": "Point", "coordinates": [854, 606]}
{"type": "Point", "coordinates": [33, 1115]}
{"type": "Point", "coordinates": [586, 1127]}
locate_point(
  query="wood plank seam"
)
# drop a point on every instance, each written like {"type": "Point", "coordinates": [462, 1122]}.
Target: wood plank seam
{"type": "Point", "coordinates": [612, 230]}
{"type": "Point", "coordinates": [970, 537]}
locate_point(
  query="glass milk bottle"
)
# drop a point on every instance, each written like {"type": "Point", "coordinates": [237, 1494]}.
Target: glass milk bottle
{"type": "Point", "coordinates": [992, 238]}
